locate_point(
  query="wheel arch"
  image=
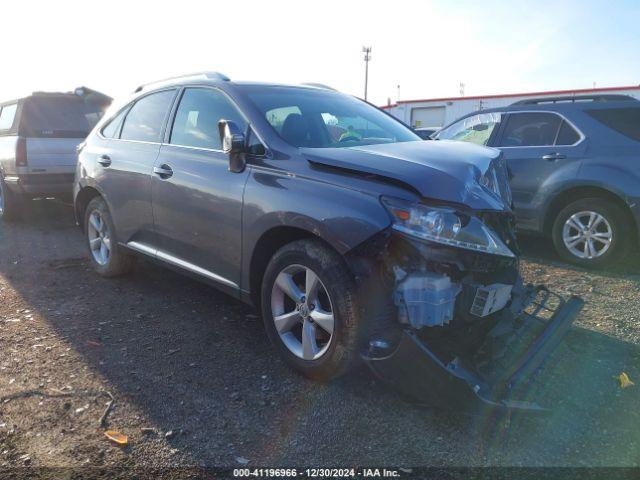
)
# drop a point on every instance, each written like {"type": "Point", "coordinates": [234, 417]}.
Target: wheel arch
{"type": "Point", "coordinates": [267, 245]}
{"type": "Point", "coordinates": [572, 194]}
{"type": "Point", "coordinates": [84, 196]}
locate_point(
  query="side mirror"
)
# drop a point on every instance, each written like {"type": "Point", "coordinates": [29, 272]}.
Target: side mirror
{"type": "Point", "coordinates": [233, 144]}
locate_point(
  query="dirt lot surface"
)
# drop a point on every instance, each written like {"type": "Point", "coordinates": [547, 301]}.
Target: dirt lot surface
{"type": "Point", "coordinates": [196, 382]}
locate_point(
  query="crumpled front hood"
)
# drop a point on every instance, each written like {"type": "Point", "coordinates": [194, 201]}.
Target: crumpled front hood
{"type": "Point", "coordinates": [439, 170]}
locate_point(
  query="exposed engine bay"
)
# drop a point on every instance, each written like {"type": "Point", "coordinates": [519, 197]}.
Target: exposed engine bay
{"type": "Point", "coordinates": [458, 328]}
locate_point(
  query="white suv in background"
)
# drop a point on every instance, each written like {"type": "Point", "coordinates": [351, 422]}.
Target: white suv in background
{"type": "Point", "coordinates": [38, 139]}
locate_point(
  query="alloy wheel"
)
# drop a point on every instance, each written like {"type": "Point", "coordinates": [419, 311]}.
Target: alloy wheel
{"type": "Point", "coordinates": [587, 234]}
{"type": "Point", "coordinates": [302, 312]}
{"type": "Point", "coordinates": [99, 238]}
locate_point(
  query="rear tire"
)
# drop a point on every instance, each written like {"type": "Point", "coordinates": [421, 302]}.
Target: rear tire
{"type": "Point", "coordinates": [604, 243]}
{"type": "Point", "coordinates": [305, 342]}
{"type": "Point", "coordinates": [107, 257]}
{"type": "Point", "coordinates": [11, 203]}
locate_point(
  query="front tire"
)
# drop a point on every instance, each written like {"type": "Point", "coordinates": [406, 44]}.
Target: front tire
{"type": "Point", "coordinates": [107, 257]}
{"type": "Point", "coordinates": [309, 309]}
{"type": "Point", "coordinates": [592, 233]}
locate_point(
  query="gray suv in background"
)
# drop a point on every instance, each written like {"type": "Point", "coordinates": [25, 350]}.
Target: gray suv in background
{"type": "Point", "coordinates": [575, 166]}
{"type": "Point", "coordinates": [38, 139]}
{"type": "Point", "coordinates": [355, 239]}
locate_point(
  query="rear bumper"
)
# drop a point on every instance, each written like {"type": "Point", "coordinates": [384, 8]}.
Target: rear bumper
{"type": "Point", "coordinates": [415, 370]}
{"type": "Point", "coordinates": [41, 184]}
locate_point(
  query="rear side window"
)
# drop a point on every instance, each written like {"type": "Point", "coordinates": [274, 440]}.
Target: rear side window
{"type": "Point", "coordinates": [146, 118]}
{"type": "Point", "coordinates": [59, 117]}
{"type": "Point", "coordinates": [196, 123]}
{"type": "Point", "coordinates": [535, 129]}
{"type": "Point", "coordinates": [623, 120]}
{"type": "Point", "coordinates": [7, 115]}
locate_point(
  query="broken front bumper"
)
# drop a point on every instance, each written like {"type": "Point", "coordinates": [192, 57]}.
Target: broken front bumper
{"type": "Point", "coordinates": [417, 371]}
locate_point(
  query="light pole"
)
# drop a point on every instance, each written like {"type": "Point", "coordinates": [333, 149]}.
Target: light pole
{"type": "Point", "coordinates": [367, 57]}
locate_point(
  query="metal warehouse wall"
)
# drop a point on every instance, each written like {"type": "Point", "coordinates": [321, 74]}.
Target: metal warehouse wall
{"type": "Point", "coordinates": [442, 111]}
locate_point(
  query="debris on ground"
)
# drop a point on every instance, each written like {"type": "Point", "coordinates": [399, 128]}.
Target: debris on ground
{"type": "Point", "coordinates": [117, 437]}
{"type": "Point", "coordinates": [624, 380]}
{"type": "Point", "coordinates": [105, 414]}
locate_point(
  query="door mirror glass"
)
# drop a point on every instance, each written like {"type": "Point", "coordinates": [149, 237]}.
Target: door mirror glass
{"type": "Point", "coordinates": [231, 137]}
{"type": "Point", "coordinates": [233, 144]}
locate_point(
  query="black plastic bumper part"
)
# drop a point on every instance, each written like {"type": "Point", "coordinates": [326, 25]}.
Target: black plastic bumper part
{"type": "Point", "coordinates": [414, 370]}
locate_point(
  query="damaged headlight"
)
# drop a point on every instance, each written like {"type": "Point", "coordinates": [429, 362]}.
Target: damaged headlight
{"type": "Point", "coordinates": [444, 225]}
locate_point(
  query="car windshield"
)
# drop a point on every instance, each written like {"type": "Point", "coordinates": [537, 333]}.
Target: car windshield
{"type": "Point", "coordinates": [474, 129]}
{"type": "Point", "coordinates": [306, 117]}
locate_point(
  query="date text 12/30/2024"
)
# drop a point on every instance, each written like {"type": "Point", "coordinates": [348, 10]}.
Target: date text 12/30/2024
{"type": "Point", "coordinates": [318, 472]}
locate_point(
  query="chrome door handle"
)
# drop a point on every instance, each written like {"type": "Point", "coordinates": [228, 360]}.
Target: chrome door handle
{"type": "Point", "coordinates": [104, 160]}
{"type": "Point", "coordinates": [163, 171]}
{"type": "Point", "coordinates": [553, 156]}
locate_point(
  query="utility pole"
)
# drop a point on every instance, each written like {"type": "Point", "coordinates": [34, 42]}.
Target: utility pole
{"type": "Point", "coordinates": [367, 57]}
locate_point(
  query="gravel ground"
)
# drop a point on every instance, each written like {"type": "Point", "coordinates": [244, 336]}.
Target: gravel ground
{"type": "Point", "coordinates": [196, 382]}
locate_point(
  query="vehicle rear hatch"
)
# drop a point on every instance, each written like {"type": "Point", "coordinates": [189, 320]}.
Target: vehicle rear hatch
{"type": "Point", "coordinates": [54, 125]}
{"type": "Point", "coordinates": [52, 155]}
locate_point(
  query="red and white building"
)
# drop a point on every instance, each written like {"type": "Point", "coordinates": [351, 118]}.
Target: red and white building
{"type": "Point", "coordinates": [438, 112]}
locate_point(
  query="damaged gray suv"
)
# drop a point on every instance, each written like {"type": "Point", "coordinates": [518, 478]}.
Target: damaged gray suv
{"type": "Point", "coordinates": [355, 239]}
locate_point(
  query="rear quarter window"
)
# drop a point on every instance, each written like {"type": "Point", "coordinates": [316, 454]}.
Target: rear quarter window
{"type": "Point", "coordinates": [623, 120]}
{"type": "Point", "coordinates": [112, 128]}
{"type": "Point", "coordinates": [7, 116]}
{"type": "Point", "coordinates": [567, 135]}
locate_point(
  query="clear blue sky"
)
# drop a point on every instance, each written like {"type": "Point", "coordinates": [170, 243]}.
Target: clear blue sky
{"type": "Point", "coordinates": [427, 47]}
{"type": "Point", "coordinates": [563, 44]}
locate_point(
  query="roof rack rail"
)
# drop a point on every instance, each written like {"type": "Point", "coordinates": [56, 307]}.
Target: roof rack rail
{"type": "Point", "coordinates": [576, 98]}
{"type": "Point", "coordinates": [319, 85]}
{"type": "Point", "coordinates": [206, 75]}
